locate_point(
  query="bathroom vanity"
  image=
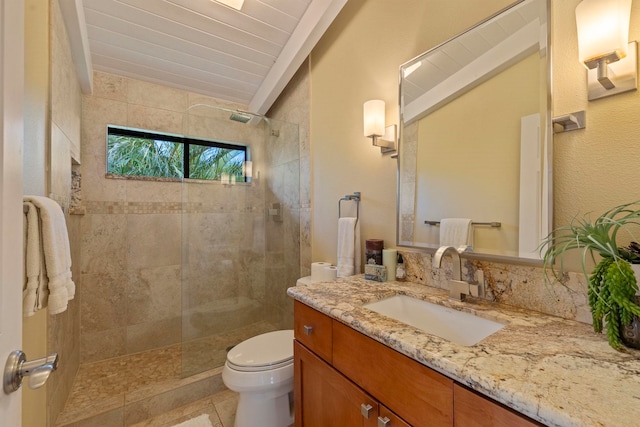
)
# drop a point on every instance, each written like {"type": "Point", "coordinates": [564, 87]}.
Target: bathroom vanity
{"type": "Point", "coordinates": [354, 366]}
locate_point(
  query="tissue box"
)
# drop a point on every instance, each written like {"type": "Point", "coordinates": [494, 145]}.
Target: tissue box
{"type": "Point", "coordinates": [375, 272]}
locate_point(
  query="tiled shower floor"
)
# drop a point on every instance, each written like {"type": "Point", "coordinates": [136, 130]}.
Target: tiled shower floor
{"type": "Point", "coordinates": [147, 389]}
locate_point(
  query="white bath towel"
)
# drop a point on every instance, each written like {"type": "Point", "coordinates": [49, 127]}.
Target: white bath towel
{"type": "Point", "coordinates": [35, 290]}
{"type": "Point", "coordinates": [348, 247]}
{"type": "Point", "coordinates": [56, 253]}
{"type": "Point", "coordinates": [456, 232]}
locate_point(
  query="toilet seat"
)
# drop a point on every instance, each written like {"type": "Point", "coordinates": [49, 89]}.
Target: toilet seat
{"type": "Point", "coordinates": [264, 352]}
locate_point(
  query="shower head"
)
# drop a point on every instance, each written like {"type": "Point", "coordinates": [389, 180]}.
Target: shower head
{"type": "Point", "coordinates": [240, 117]}
{"type": "Point", "coordinates": [236, 115]}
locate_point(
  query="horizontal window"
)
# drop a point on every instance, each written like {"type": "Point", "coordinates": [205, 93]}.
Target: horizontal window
{"type": "Point", "coordinates": [132, 152]}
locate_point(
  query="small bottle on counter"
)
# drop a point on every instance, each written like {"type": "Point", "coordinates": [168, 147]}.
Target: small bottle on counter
{"type": "Point", "coordinates": [401, 274]}
{"type": "Point", "coordinates": [373, 251]}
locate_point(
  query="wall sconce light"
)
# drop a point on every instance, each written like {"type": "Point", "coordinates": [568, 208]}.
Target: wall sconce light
{"type": "Point", "coordinates": [374, 127]}
{"type": "Point", "coordinates": [604, 48]}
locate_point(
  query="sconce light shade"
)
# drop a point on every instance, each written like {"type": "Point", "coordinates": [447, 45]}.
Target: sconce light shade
{"type": "Point", "coordinates": [603, 30]}
{"type": "Point", "coordinates": [374, 127]}
{"type": "Point", "coordinates": [374, 118]}
{"type": "Point", "coordinates": [604, 48]}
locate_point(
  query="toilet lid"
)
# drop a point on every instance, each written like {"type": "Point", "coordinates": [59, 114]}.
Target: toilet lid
{"type": "Point", "coordinates": [262, 352]}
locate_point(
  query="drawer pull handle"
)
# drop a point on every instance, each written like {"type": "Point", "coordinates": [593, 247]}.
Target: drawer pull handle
{"type": "Point", "coordinates": [384, 422]}
{"type": "Point", "coordinates": [365, 410]}
{"type": "Point", "coordinates": [308, 329]}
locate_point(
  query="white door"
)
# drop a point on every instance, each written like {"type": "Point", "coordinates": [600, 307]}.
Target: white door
{"type": "Point", "coordinates": [11, 143]}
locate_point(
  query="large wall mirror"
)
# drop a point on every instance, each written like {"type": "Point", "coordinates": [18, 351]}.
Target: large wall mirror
{"type": "Point", "coordinates": [476, 136]}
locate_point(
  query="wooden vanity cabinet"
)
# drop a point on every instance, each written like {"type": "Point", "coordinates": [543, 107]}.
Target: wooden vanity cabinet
{"type": "Point", "coordinates": [327, 395]}
{"type": "Point", "coordinates": [341, 374]}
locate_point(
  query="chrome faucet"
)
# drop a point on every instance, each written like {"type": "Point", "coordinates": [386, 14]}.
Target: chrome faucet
{"type": "Point", "coordinates": [458, 289]}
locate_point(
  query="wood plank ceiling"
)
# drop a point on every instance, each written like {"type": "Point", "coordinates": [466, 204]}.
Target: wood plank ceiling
{"type": "Point", "coordinates": [203, 46]}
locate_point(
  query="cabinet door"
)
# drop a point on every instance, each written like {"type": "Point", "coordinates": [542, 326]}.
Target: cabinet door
{"type": "Point", "coordinates": [471, 409]}
{"type": "Point", "coordinates": [325, 398]}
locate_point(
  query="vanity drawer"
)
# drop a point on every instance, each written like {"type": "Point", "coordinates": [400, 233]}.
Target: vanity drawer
{"type": "Point", "coordinates": [474, 410]}
{"type": "Point", "coordinates": [415, 392]}
{"type": "Point", "coordinates": [313, 329]}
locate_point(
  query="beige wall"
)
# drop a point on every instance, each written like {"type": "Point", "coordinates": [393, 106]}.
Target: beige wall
{"type": "Point", "coordinates": [34, 329]}
{"type": "Point", "coordinates": [36, 135]}
{"type": "Point", "coordinates": [596, 168]}
{"type": "Point", "coordinates": [357, 60]}
{"type": "Point", "coordinates": [52, 138]}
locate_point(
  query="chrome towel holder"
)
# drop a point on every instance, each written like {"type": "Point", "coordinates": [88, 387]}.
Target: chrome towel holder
{"type": "Point", "coordinates": [493, 224]}
{"type": "Point", "coordinates": [355, 197]}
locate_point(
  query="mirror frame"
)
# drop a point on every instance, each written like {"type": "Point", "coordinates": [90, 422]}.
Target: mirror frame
{"type": "Point", "coordinates": [548, 130]}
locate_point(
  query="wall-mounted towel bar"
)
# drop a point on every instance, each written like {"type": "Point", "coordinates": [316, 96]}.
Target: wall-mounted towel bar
{"type": "Point", "coordinates": [493, 224]}
{"type": "Point", "coordinates": [355, 197]}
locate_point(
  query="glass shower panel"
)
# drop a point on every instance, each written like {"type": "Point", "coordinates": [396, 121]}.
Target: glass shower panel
{"type": "Point", "coordinates": [239, 240]}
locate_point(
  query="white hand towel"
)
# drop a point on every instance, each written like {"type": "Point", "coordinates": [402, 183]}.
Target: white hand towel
{"type": "Point", "coordinates": [348, 247]}
{"type": "Point", "coordinates": [57, 253]}
{"type": "Point", "coordinates": [35, 291]}
{"type": "Point", "coordinates": [456, 232]}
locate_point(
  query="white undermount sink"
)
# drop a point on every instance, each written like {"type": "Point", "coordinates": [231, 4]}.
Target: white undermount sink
{"type": "Point", "coordinates": [453, 325]}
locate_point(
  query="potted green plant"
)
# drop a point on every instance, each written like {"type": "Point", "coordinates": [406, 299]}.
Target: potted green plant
{"type": "Point", "coordinates": [612, 284]}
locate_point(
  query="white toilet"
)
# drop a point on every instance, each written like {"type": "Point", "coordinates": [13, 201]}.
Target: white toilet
{"type": "Point", "coordinates": [260, 369]}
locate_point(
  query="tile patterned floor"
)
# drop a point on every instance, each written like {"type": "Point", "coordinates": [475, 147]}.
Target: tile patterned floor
{"type": "Point", "coordinates": [221, 409]}
{"type": "Point", "coordinates": [148, 389]}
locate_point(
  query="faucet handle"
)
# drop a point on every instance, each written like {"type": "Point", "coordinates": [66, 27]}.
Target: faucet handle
{"type": "Point", "coordinates": [464, 249]}
{"type": "Point", "coordinates": [458, 290]}
{"type": "Point", "coordinates": [475, 290]}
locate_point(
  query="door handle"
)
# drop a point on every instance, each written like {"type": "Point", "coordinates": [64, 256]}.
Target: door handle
{"type": "Point", "coordinates": [37, 370]}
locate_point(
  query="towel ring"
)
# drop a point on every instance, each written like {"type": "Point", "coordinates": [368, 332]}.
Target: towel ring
{"type": "Point", "coordinates": [355, 197]}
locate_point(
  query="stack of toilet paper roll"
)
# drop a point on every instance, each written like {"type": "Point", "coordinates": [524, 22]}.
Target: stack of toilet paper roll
{"type": "Point", "coordinates": [323, 272]}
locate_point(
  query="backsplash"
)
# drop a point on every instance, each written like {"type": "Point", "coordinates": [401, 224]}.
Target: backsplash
{"type": "Point", "coordinates": [516, 285]}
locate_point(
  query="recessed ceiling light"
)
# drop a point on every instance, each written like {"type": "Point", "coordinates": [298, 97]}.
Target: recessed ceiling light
{"type": "Point", "coordinates": [236, 4]}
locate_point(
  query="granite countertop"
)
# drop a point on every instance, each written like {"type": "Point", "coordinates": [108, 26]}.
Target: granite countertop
{"type": "Point", "coordinates": [553, 370]}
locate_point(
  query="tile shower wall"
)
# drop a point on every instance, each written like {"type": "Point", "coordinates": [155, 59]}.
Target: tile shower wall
{"type": "Point", "coordinates": [133, 265]}
{"type": "Point", "coordinates": [291, 164]}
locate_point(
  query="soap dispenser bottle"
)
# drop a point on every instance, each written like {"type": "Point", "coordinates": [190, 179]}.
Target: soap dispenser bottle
{"type": "Point", "coordinates": [401, 274]}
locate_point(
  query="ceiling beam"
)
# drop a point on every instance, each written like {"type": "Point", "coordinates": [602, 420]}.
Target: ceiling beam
{"type": "Point", "coordinates": [74, 21]}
